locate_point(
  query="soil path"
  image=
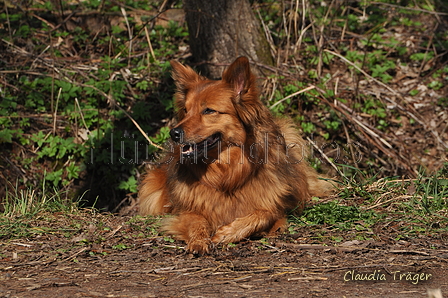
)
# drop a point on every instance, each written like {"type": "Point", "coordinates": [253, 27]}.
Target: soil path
{"type": "Point", "coordinates": [123, 265]}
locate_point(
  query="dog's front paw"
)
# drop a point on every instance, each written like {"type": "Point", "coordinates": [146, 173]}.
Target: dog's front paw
{"type": "Point", "coordinates": [199, 246]}
{"type": "Point", "coordinates": [225, 234]}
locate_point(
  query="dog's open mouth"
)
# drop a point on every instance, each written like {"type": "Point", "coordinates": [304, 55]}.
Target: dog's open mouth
{"type": "Point", "coordinates": [199, 149]}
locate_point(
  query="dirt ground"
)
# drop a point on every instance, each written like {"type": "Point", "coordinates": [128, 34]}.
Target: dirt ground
{"type": "Point", "coordinates": [122, 261]}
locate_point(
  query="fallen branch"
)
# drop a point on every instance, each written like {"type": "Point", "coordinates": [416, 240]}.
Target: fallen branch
{"type": "Point", "coordinates": [371, 136]}
{"type": "Point", "coordinates": [369, 77]}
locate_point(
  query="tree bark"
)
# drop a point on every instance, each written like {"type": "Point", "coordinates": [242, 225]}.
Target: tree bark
{"type": "Point", "coordinates": [222, 30]}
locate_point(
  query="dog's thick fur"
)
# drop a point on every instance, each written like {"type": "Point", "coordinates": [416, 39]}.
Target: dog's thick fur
{"type": "Point", "coordinates": [235, 170]}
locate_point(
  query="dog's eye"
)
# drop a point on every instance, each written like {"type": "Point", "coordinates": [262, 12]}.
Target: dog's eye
{"type": "Point", "coordinates": [208, 111]}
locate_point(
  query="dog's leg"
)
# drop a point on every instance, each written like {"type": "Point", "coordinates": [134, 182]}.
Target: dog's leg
{"type": "Point", "coordinates": [193, 229]}
{"type": "Point", "coordinates": [258, 221]}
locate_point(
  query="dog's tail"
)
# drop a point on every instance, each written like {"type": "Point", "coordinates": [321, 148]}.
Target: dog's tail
{"type": "Point", "coordinates": [152, 196]}
{"type": "Point", "coordinates": [318, 185]}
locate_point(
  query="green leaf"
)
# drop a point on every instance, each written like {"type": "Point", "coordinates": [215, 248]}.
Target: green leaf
{"type": "Point", "coordinates": [130, 185]}
{"type": "Point", "coordinates": [6, 136]}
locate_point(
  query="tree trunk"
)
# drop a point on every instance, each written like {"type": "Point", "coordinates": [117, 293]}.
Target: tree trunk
{"type": "Point", "coordinates": [222, 30]}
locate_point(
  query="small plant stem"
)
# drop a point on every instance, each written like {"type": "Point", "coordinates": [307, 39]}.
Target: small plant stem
{"type": "Point", "coordinates": [125, 77]}
{"type": "Point", "coordinates": [151, 50]}
{"type": "Point", "coordinates": [80, 112]}
{"type": "Point", "coordinates": [55, 113]}
{"type": "Point", "coordinates": [349, 143]}
{"type": "Point", "coordinates": [302, 33]}
{"type": "Point", "coordinates": [427, 50]}
{"type": "Point", "coordinates": [292, 95]}
{"type": "Point", "coordinates": [123, 11]}
{"type": "Point", "coordinates": [325, 156]}
{"type": "Point", "coordinates": [304, 28]}
{"type": "Point", "coordinates": [141, 130]}
{"type": "Point", "coordinates": [274, 88]}
{"type": "Point", "coordinates": [268, 35]}
{"type": "Point", "coordinates": [286, 26]}
{"type": "Point", "coordinates": [7, 20]}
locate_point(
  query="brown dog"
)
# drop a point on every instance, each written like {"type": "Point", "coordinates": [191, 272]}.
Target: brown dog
{"type": "Point", "coordinates": [235, 170]}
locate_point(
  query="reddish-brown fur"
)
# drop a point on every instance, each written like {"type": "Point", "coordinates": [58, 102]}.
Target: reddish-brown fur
{"type": "Point", "coordinates": [243, 186]}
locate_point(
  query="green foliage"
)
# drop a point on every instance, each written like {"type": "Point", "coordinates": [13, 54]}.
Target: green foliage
{"type": "Point", "coordinates": [374, 107]}
{"type": "Point", "coordinates": [429, 193]}
{"type": "Point", "coordinates": [120, 246]}
{"type": "Point", "coordinates": [366, 205]}
{"type": "Point", "coordinates": [332, 213]}
{"type": "Point", "coordinates": [308, 127]}
{"type": "Point", "coordinates": [21, 206]}
{"type": "Point", "coordinates": [77, 125]}
{"type": "Point", "coordinates": [443, 102]}
{"type": "Point", "coordinates": [129, 185]}
{"type": "Point", "coordinates": [413, 92]}
{"type": "Point", "coordinates": [422, 57]}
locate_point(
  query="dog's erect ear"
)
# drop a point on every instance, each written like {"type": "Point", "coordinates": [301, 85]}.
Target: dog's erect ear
{"type": "Point", "coordinates": [243, 83]}
{"type": "Point", "coordinates": [183, 76]}
{"type": "Point", "coordinates": [239, 76]}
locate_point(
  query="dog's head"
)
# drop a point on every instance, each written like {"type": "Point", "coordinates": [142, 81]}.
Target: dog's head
{"type": "Point", "coordinates": [214, 112]}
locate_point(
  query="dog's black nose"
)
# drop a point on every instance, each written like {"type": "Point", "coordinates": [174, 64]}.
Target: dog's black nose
{"type": "Point", "coordinates": [177, 134]}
